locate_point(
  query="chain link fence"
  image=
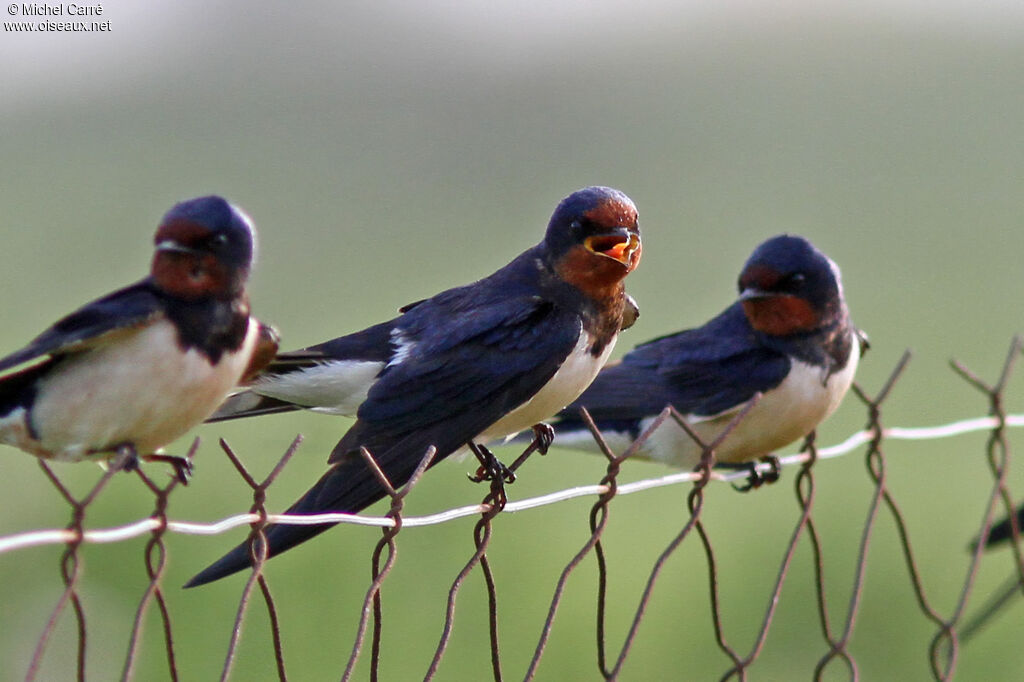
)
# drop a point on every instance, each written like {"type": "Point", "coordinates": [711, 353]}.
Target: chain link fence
{"type": "Point", "coordinates": [837, 658]}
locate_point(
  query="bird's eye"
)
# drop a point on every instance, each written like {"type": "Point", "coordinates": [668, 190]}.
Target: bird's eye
{"type": "Point", "coordinates": [575, 225]}
{"type": "Point", "coordinates": [220, 238]}
{"type": "Point", "coordinates": [796, 279]}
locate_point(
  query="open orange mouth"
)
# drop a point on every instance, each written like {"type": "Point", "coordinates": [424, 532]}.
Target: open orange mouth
{"type": "Point", "coordinates": [618, 245]}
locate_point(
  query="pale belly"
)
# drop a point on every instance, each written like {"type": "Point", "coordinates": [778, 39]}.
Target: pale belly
{"type": "Point", "coordinates": [126, 392]}
{"type": "Point", "coordinates": [571, 379]}
{"type": "Point", "coordinates": [791, 411]}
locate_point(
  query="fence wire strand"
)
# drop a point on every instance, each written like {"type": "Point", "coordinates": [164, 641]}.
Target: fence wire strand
{"type": "Point", "coordinates": [951, 631]}
{"type": "Point", "coordinates": [155, 555]}
{"type": "Point", "coordinates": [379, 573]}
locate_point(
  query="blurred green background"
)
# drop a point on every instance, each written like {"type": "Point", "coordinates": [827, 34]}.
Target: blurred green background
{"type": "Point", "coordinates": [390, 150]}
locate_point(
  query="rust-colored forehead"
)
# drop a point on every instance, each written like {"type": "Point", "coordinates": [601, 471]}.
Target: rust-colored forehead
{"type": "Point", "coordinates": [612, 212]}
{"type": "Point", "coordinates": [761, 276]}
{"type": "Point", "coordinates": [182, 230]}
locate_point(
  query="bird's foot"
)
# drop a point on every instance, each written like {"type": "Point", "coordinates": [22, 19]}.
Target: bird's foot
{"type": "Point", "coordinates": [543, 437]}
{"type": "Point", "coordinates": [491, 468]}
{"type": "Point", "coordinates": [182, 465]}
{"type": "Point", "coordinates": [127, 458]}
{"type": "Point", "coordinates": [755, 478]}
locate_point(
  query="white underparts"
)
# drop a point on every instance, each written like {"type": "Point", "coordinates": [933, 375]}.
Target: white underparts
{"type": "Point", "coordinates": [784, 414]}
{"type": "Point", "coordinates": [576, 373]}
{"type": "Point", "coordinates": [336, 387]}
{"type": "Point", "coordinates": [138, 388]}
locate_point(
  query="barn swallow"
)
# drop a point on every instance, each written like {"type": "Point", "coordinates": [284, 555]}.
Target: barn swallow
{"type": "Point", "coordinates": [788, 336]}
{"type": "Point", "coordinates": [134, 370]}
{"type": "Point", "coordinates": [1001, 533]}
{"type": "Point", "coordinates": [471, 364]}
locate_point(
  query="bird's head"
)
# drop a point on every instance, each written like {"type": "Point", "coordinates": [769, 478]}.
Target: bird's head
{"type": "Point", "coordinates": [789, 287]}
{"type": "Point", "coordinates": [204, 248]}
{"type": "Point", "coordinates": [593, 238]}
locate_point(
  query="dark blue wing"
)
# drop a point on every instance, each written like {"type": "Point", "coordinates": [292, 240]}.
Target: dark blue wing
{"type": "Point", "coordinates": [134, 305]}
{"type": "Point", "coordinates": [701, 371]}
{"type": "Point", "coordinates": [370, 344]}
{"type": "Point", "coordinates": [464, 369]}
{"type": "Point", "coordinates": [470, 362]}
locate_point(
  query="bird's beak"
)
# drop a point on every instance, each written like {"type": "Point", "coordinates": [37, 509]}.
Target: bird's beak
{"type": "Point", "coordinates": [753, 294]}
{"type": "Point", "coordinates": [173, 246]}
{"type": "Point", "coordinates": [620, 244]}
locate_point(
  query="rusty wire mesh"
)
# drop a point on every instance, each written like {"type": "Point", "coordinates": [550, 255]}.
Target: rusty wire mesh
{"type": "Point", "coordinates": [837, 659]}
